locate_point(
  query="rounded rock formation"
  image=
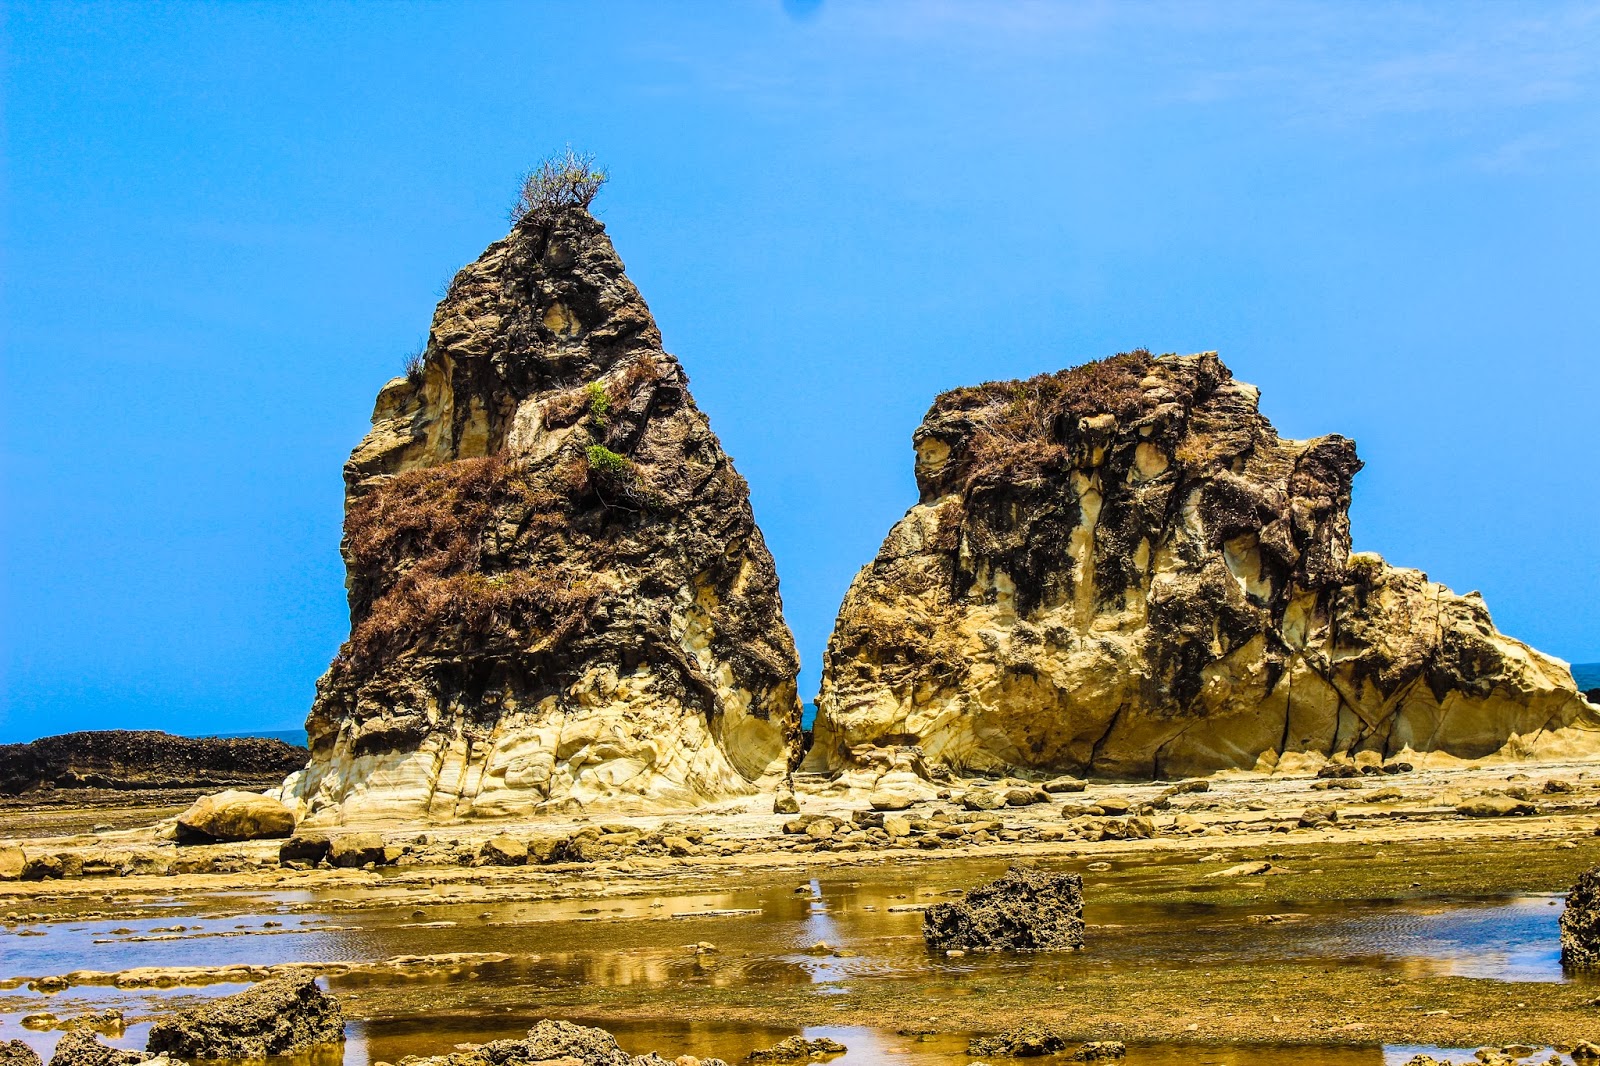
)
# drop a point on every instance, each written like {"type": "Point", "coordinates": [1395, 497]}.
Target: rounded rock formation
{"type": "Point", "coordinates": [234, 815]}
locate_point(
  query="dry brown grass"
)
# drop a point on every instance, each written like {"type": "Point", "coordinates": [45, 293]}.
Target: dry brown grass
{"type": "Point", "coordinates": [1021, 426]}
{"type": "Point", "coordinates": [423, 532]}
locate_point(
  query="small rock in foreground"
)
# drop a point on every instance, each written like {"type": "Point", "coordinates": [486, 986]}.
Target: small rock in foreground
{"type": "Point", "coordinates": [1024, 910]}
{"type": "Point", "coordinates": [551, 1042]}
{"type": "Point", "coordinates": [276, 1017]}
{"type": "Point", "coordinates": [1037, 1041]}
{"type": "Point", "coordinates": [16, 1053]}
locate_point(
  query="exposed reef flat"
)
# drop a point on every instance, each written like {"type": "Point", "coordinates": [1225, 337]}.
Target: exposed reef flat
{"type": "Point", "coordinates": [1122, 569]}
{"type": "Point", "coordinates": [127, 760]}
{"type": "Point", "coordinates": [662, 922]}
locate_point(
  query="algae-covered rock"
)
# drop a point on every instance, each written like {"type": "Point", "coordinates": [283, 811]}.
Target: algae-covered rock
{"type": "Point", "coordinates": [559, 597]}
{"type": "Point", "coordinates": [1024, 910]}
{"type": "Point", "coordinates": [1122, 569]}
{"type": "Point", "coordinates": [275, 1017]}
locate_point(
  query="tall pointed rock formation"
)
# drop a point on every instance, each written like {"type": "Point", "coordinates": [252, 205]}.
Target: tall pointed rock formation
{"type": "Point", "coordinates": [558, 593]}
{"type": "Point", "coordinates": [1122, 569]}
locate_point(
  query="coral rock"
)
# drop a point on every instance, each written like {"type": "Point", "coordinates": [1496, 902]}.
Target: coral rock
{"type": "Point", "coordinates": [1024, 910]}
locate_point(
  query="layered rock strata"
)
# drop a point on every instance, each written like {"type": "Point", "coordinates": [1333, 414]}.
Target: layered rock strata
{"type": "Point", "coordinates": [558, 593]}
{"type": "Point", "coordinates": [1122, 569]}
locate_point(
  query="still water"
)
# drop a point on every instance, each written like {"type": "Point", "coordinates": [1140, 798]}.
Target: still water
{"type": "Point", "coordinates": [765, 931]}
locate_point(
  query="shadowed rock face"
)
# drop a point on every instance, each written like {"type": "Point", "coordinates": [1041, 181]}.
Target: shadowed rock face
{"type": "Point", "coordinates": [1122, 569]}
{"type": "Point", "coordinates": [1580, 923]}
{"type": "Point", "coordinates": [558, 593]}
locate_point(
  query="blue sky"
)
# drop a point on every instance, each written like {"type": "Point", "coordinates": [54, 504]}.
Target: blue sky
{"type": "Point", "coordinates": [224, 227]}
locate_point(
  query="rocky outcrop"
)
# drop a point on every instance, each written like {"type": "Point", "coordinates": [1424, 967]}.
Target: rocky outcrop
{"type": "Point", "coordinates": [145, 759]}
{"type": "Point", "coordinates": [1580, 923]}
{"type": "Point", "coordinates": [1023, 910]}
{"type": "Point", "coordinates": [558, 593]}
{"type": "Point", "coordinates": [234, 815]}
{"type": "Point", "coordinates": [277, 1017]}
{"type": "Point", "coordinates": [1122, 569]}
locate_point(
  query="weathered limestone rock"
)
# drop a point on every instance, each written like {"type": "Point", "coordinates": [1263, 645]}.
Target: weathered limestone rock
{"type": "Point", "coordinates": [234, 815]}
{"type": "Point", "coordinates": [1580, 923]}
{"type": "Point", "coordinates": [1122, 569]}
{"type": "Point", "coordinates": [1495, 807]}
{"type": "Point", "coordinates": [276, 1017]}
{"type": "Point", "coordinates": [503, 850]}
{"type": "Point", "coordinates": [309, 848]}
{"type": "Point", "coordinates": [558, 593]}
{"type": "Point", "coordinates": [13, 861]}
{"type": "Point", "coordinates": [1023, 910]}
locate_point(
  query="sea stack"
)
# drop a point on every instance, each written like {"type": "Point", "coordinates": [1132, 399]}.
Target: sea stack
{"type": "Point", "coordinates": [1122, 570]}
{"type": "Point", "coordinates": [558, 594]}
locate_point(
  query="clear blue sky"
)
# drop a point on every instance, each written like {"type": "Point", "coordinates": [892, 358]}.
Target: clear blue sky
{"type": "Point", "coordinates": [226, 225]}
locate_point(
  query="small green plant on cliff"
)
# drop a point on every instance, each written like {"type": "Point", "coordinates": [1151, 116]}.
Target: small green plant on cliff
{"type": "Point", "coordinates": [599, 404]}
{"type": "Point", "coordinates": [563, 181]}
{"type": "Point", "coordinates": [603, 460]}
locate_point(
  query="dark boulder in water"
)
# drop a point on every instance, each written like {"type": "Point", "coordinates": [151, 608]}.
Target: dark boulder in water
{"type": "Point", "coordinates": [1024, 910]}
{"type": "Point", "coordinates": [1580, 923]}
{"type": "Point", "coordinates": [16, 1053]}
{"type": "Point", "coordinates": [276, 1017]}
